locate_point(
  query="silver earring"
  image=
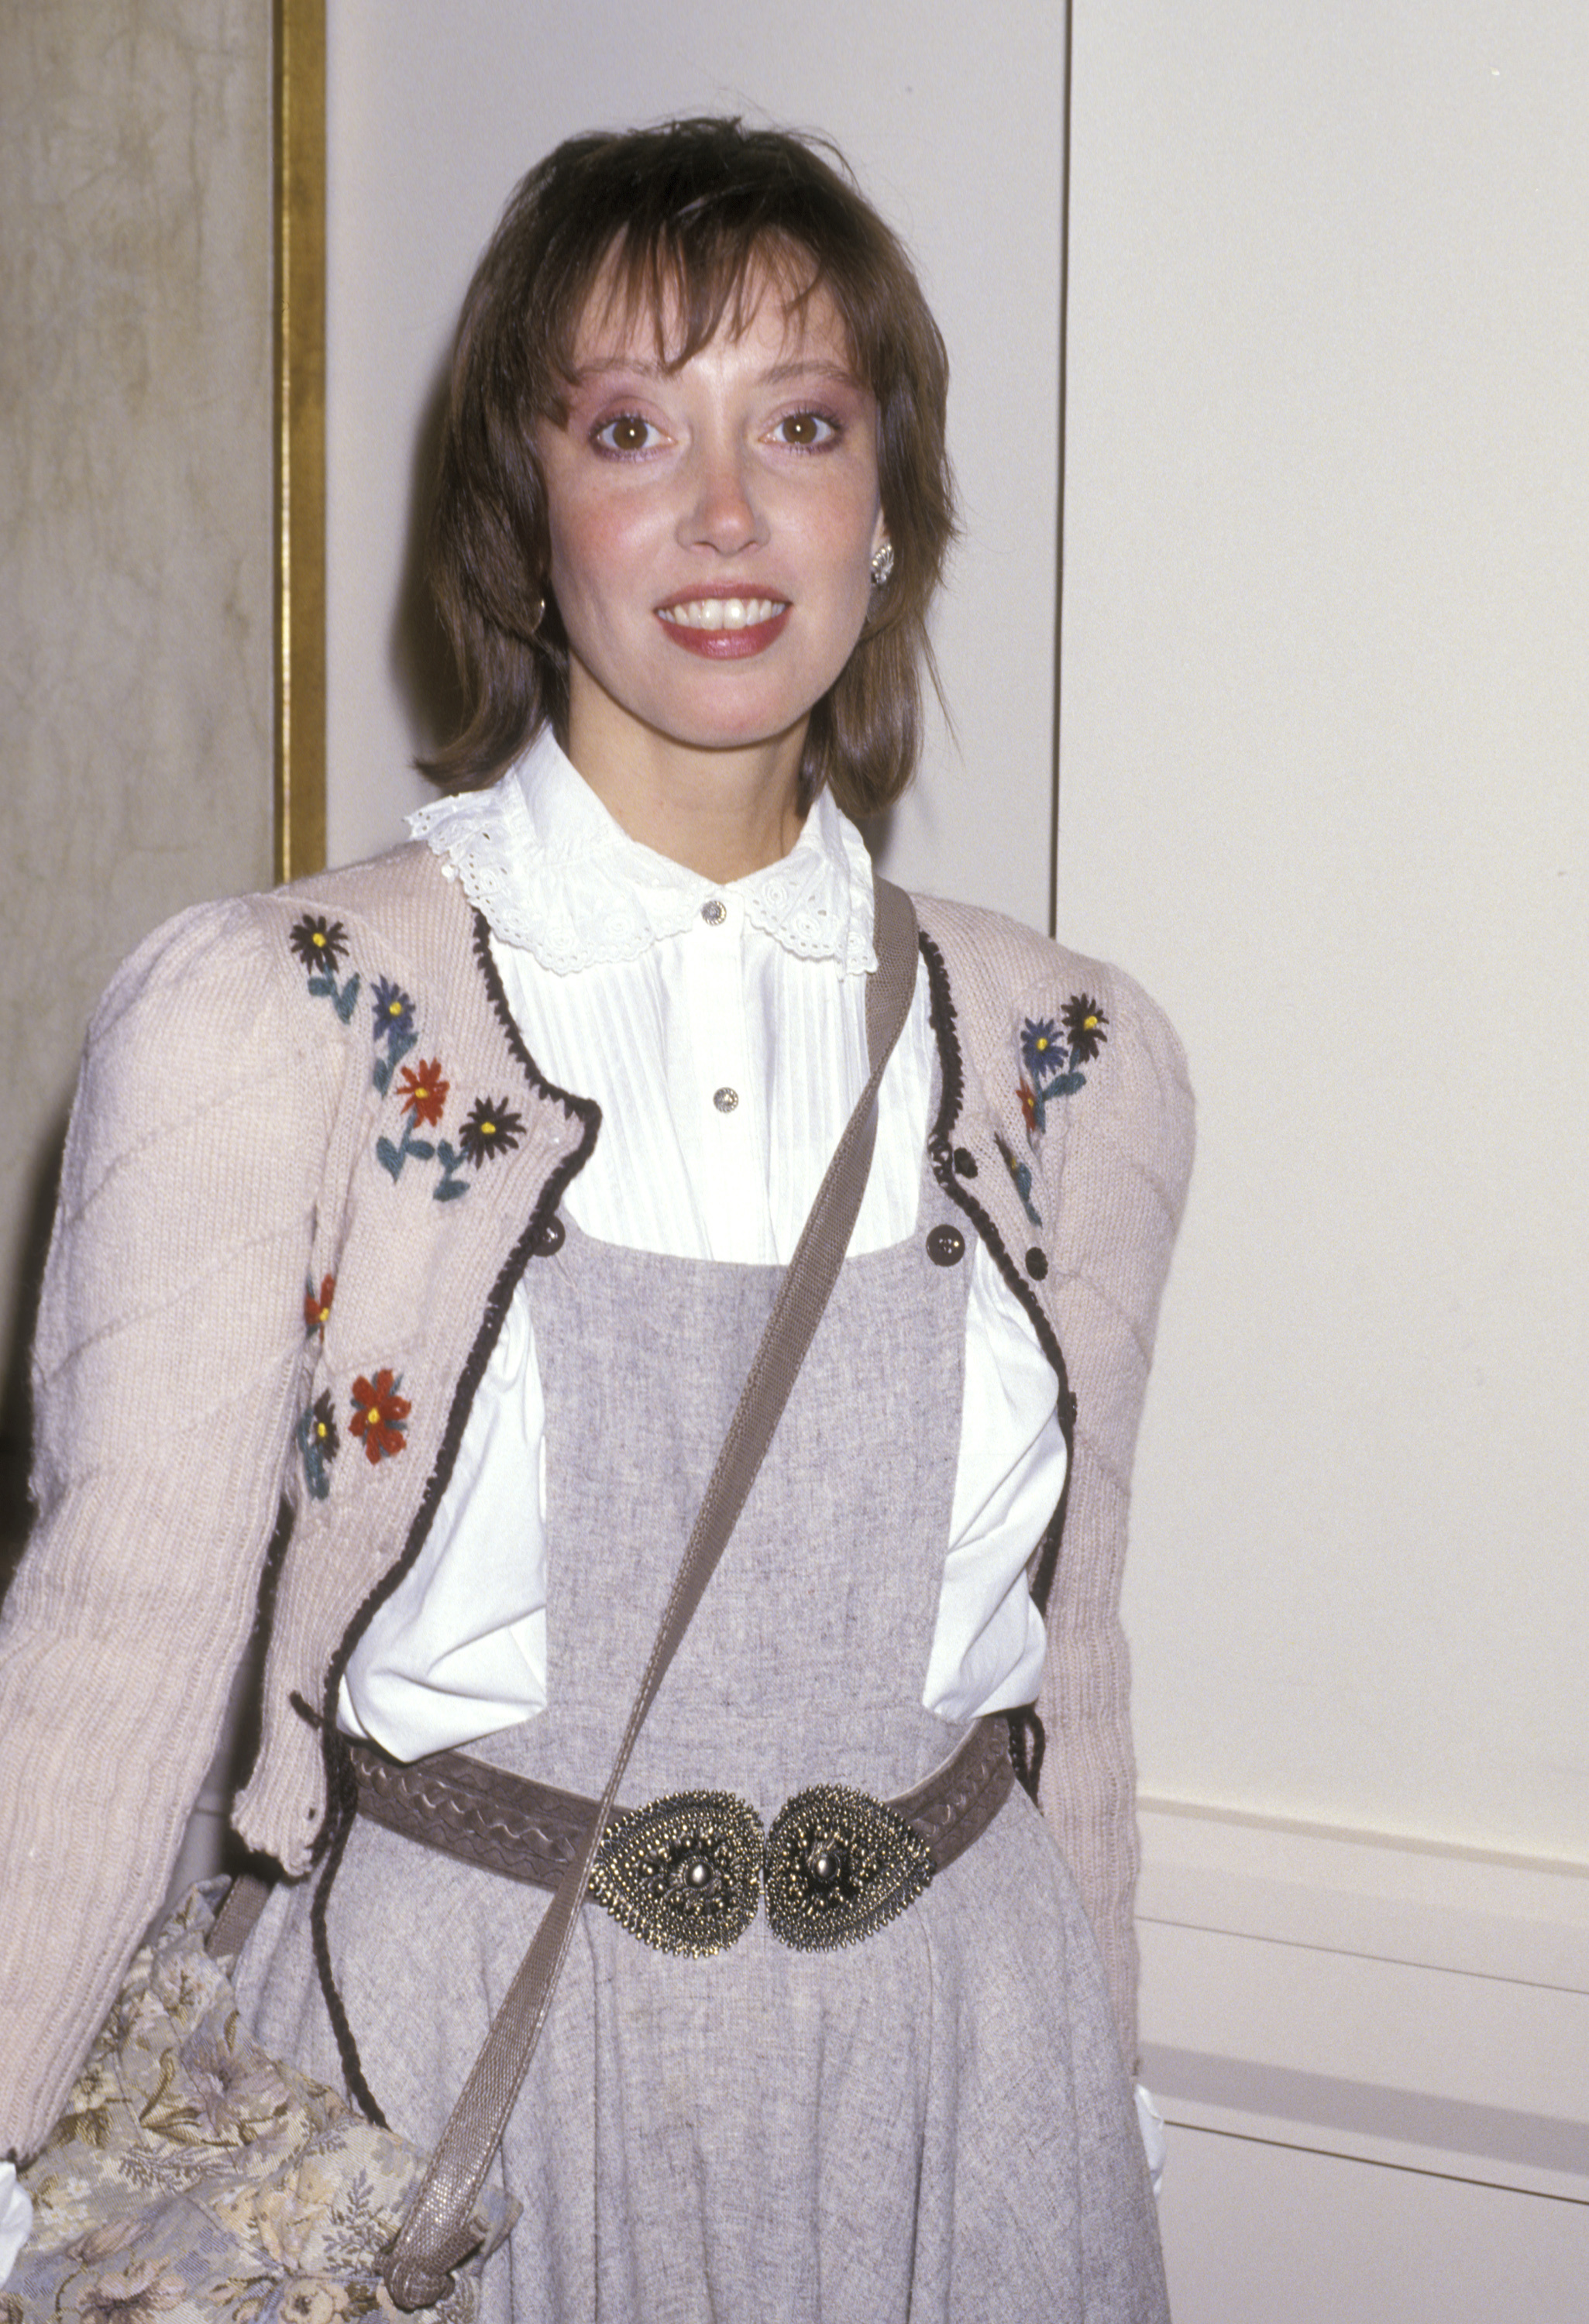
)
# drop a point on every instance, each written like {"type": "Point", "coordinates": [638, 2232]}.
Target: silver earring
{"type": "Point", "coordinates": [882, 566]}
{"type": "Point", "coordinates": [537, 615]}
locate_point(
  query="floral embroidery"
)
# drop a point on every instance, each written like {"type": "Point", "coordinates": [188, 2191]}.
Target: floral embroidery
{"type": "Point", "coordinates": [1084, 1021]}
{"type": "Point", "coordinates": [394, 1028]}
{"type": "Point", "coordinates": [1051, 1051]}
{"type": "Point", "coordinates": [1021, 1173]}
{"type": "Point", "coordinates": [1040, 1038]}
{"type": "Point", "coordinates": [394, 1012]}
{"type": "Point", "coordinates": [317, 1304]}
{"type": "Point", "coordinates": [491, 1129]}
{"type": "Point", "coordinates": [320, 943]}
{"type": "Point", "coordinates": [424, 1093]}
{"type": "Point", "coordinates": [320, 1442]}
{"type": "Point", "coordinates": [451, 1183]}
{"type": "Point", "coordinates": [391, 1157]}
{"type": "Point", "coordinates": [379, 1414]}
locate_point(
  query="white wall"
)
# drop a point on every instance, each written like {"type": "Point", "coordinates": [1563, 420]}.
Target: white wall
{"type": "Point", "coordinates": [1322, 782]}
{"type": "Point", "coordinates": [953, 126]}
{"type": "Point", "coordinates": [1322, 785]}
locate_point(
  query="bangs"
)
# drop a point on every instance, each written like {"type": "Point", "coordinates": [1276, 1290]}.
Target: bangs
{"type": "Point", "coordinates": [682, 289]}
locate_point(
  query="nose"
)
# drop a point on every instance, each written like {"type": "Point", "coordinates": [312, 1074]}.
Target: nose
{"type": "Point", "coordinates": [721, 510]}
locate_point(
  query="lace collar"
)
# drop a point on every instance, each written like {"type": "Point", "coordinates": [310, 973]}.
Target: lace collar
{"type": "Point", "coordinates": [554, 874]}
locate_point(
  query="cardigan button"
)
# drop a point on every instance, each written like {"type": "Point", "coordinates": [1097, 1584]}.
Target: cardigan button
{"type": "Point", "coordinates": [1036, 1265]}
{"type": "Point", "coordinates": [965, 1161]}
{"type": "Point", "coordinates": [945, 1245]}
{"type": "Point", "coordinates": [549, 1238]}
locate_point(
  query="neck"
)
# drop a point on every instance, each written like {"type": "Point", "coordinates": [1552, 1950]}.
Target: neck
{"type": "Point", "coordinates": [722, 813]}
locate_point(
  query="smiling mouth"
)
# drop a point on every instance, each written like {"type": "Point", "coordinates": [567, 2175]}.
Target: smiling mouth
{"type": "Point", "coordinates": [723, 612]}
{"type": "Point", "coordinates": [725, 629]}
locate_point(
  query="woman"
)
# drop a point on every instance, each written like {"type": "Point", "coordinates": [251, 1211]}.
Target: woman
{"type": "Point", "coordinates": [451, 1193]}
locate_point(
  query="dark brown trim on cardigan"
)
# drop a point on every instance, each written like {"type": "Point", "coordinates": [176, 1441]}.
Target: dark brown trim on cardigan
{"type": "Point", "coordinates": [341, 1789]}
{"type": "Point", "coordinates": [1028, 1740]}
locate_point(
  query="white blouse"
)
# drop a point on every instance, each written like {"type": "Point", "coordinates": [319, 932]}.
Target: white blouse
{"type": "Point", "coordinates": [721, 1028]}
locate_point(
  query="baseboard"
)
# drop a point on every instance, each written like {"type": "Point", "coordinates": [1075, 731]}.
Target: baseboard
{"type": "Point", "coordinates": [1368, 1995]}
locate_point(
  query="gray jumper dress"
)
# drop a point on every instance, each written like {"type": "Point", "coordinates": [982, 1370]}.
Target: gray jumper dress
{"type": "Point", "coordinates": [929, 2127]}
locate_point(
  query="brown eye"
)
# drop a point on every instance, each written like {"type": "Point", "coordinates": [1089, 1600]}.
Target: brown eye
{"type": "Point", "coordinates": [627, 433]}
{"type": "Point", "coordinates": [807, 431]}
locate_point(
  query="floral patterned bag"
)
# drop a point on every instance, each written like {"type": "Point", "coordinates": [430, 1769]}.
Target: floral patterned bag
{"type": "Point", "coordinates": [193, 2176]}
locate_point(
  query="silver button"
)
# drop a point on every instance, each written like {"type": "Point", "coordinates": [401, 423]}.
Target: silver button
{"type": "Point", "coordinates": [726, 1100]}
{"type": "Point", "coordinates": [714, 911]}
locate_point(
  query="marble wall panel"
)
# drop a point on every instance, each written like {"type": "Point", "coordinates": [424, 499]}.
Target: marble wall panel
{"type": "Point", "coordinates": [135, 509]}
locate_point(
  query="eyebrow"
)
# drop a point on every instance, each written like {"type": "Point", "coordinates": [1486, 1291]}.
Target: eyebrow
{"type": "Point", "coordinates": [777, 375]}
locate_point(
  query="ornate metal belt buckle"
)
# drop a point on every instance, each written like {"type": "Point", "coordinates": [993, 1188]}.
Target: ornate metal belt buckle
{"type": "Point", "coordinates": [683, 1874]}
{"type": "Point", "coordinates": [839, 1866]}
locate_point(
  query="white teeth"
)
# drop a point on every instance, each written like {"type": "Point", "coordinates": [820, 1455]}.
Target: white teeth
{"type": "Point", "coordinates": [722, 613]}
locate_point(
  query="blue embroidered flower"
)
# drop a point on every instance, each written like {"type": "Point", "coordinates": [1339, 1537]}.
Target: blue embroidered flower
{"type": "Point", "coordinates": [1042, 1047]}
{"type": "Point", "coordinates": [394, 1012]}
{"type": "Point", "coordinates": [1051, 1052]}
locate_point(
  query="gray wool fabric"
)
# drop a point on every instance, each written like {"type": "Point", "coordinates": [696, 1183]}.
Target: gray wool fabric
{"type": "Point", "coordinates": [934, 2124]}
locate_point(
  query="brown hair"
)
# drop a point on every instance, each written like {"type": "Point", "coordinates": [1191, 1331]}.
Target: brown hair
{"type": "Point", "coordinates": [690, 219]}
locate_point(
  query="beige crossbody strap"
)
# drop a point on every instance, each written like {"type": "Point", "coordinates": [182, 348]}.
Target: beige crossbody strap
{"type": "Point", "coordinates": [437, 2233]}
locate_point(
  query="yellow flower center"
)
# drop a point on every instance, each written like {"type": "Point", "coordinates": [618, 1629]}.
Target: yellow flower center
{"type": "Point", "coordinates": [488, 1130]}
{"type": "Point", "coordinates": [374, 1413]}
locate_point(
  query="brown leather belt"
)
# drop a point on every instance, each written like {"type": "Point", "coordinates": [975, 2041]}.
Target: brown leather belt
{"type": "Point", "coordinates": [685, 1873]}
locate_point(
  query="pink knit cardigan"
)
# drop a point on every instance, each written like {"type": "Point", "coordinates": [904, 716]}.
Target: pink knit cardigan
{"type": "Point", "coordinates": [310, 1157]}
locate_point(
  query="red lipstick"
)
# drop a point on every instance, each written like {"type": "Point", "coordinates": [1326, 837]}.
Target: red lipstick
{"type": "Point", "coordinates": [723, 625]}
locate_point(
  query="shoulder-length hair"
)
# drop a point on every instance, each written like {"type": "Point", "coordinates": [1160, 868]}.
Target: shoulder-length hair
{"type": "Point", "coordinates": [683, 224]}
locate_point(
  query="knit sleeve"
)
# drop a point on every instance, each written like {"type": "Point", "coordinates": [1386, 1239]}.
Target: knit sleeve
{"type": "Point", "coordinates": [169, 1335]}
{"type": "Point", "coordinates": [1113, 1190]}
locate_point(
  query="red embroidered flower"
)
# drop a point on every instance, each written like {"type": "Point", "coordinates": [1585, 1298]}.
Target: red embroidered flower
{"type": "Point", "coordinates": [378, 1416]}
{"type": "Point", "coordinates": [317, 1304]}
{"type": "Point", "coordinates": [423, 1091]}
{"type": "Point", "coordinates": [1029, 1103]}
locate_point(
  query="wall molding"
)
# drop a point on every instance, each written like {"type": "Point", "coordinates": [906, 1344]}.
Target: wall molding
{"type": "Point", "coordinates": [1367, 1995]}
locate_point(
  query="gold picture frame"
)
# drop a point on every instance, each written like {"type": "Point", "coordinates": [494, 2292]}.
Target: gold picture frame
{"type": "Point", "coordinates": [299, 227]}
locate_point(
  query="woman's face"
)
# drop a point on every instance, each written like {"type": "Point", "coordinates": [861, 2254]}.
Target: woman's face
{"type": "Point", "coordinates": [712, 528]}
